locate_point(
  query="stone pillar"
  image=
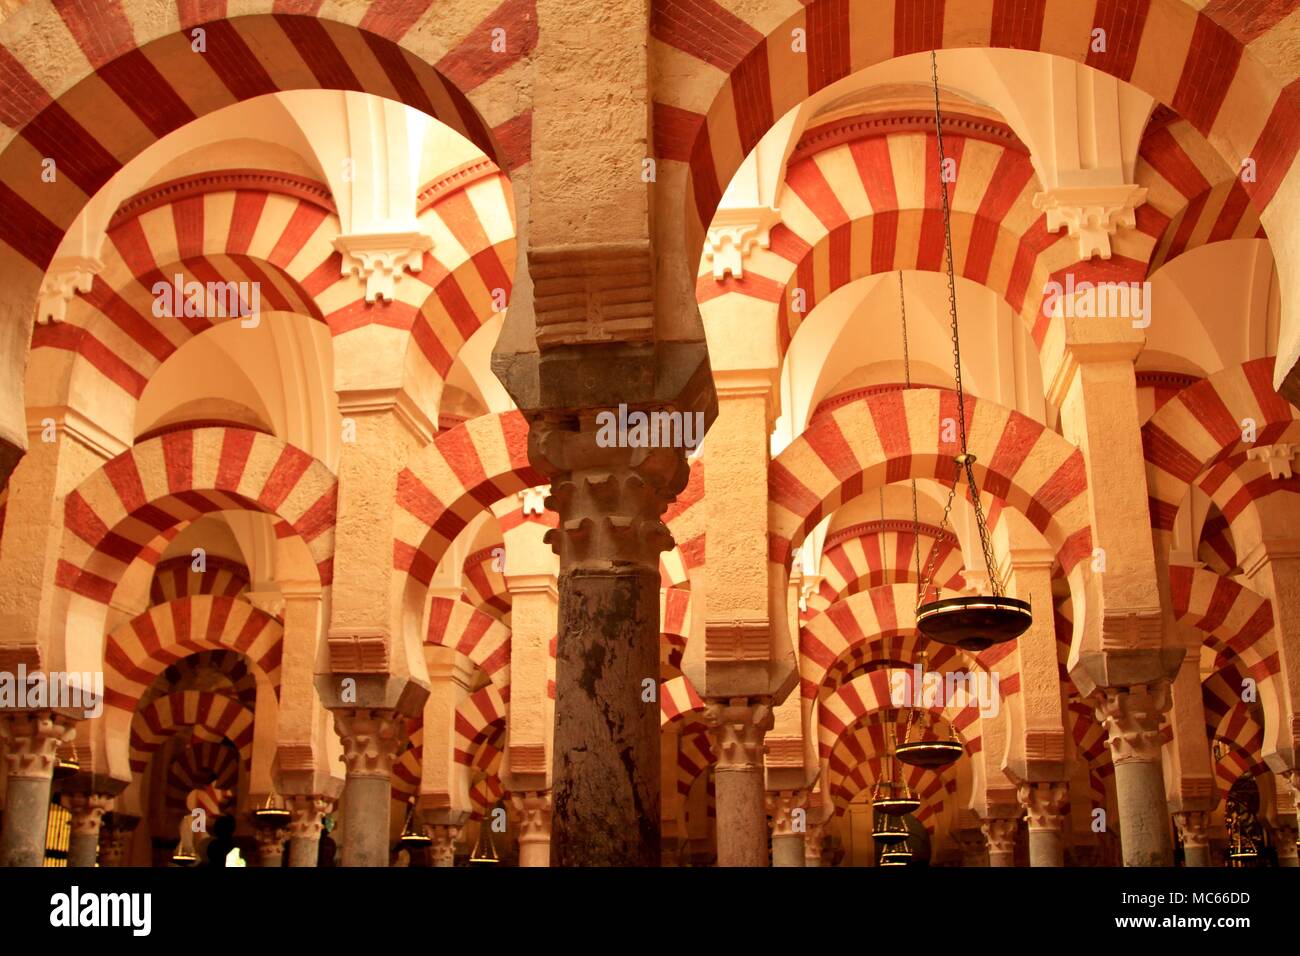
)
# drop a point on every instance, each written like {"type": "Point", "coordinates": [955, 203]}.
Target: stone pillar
{"type": "Point", "coordinates": [534, 808]}
{"type": "Point", "coordinates": [1000, 834]}
{"type": "Point", "coordinates": [1045, 805]}
{"type": "Point", "coordinates": [1131, 716]}
{"type": "Point", "coordinates": [789, 826]}
{"type": "Point", "coordinates": [270, 846]}
{"type": "Point", "coordinates": [305, 815]}
{"type": "Point", "coordinates": [606, 785]}
{"type": "Point", "coordinates": [31, 745]}
{"type": "Point", "coordinates": [115, 842]}
{"type": "Point", "coordinates": [974, 851]}
{"type": "Point", "coordinates": [1194, 830]}
{"type": "Point", "coordinates": [86, 811]}
{"type": "Point", "coordinates": [371, 738]}
{"type": "Point", "coordinates": [736, 730]}
{"type": "Point", "coordinates": [442, 851]}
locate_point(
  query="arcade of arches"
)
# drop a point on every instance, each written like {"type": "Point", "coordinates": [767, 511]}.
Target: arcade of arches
{"type": "Point", "coordinates": [309, 316]}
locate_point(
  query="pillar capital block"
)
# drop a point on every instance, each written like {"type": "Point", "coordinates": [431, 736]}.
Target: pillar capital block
{"type": "Point", "coordinates": [32, 740]}
{"type": "Point", "coordinates": [1132, 718]}
{"type": "Point", "coordinates": [1045, 804]}
{"type": "Point", "coordinates": [372, 739]}
{"type": "Point", "coordinates": [736, 729]}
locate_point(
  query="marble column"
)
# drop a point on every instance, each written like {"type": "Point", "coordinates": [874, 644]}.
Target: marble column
{"type": "Point", "coordinates": [1132, 716]}
{"type": "Point", "coordinates": [606, 775]}
{"type": "Point", "coordinates": [1000, 835]}
{"type": "Point", "coordinates": [1045, 805]}
{"type": "Point", "coordinates": [789, 827]}
{"type": "Point", "coordinates": [1194, 830]}
{"type": "Point", "coordinates": [270, 846]}
{"type": "Point", "coordinates": [442, 851]}
{"type": "Point", "coordinates": [736, 731]}
{"type": "Point", "coordinates": [371, 739]}
{"type": "Point", "coordinates": [306, 813]}
{"type": "Point", "coordinates": [31, 742]}
{"type": "Point", "coordinates": [534, 809]}
{"type": "Point", "coordinates": [86, 813]}
{"type": "Point", "coordinates": [114, 843]}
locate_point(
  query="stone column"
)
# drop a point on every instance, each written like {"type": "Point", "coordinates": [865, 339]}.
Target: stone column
{"type": "Point", "coordinates": [31, 745]}
{"type": "Point", "coordinates": [974, 851]}
{"type": "Point", "coordinates": [86, 811]}
{"type": "Point", "coordinates": [442, 851]}
{"type": "Point", "coordinates": [1000, 834]}
{"type": "Point", "coordinates": [371, 739]}
{"type": "Point", "coordinates": [1045, 805]}
{"type": "Point", "coordinates": [1131, 716]}
{"type": "Point", "coordinates": [270, 846]}
{"type": "Point", "coordinates": [606, 786]}
{"type": "Point", "coordinates": [113, 845]}
{"type": "Point", "coordinates": [736, 730]}
{"type": "Point", "coordinates": [534, 809]}
{"type": "Point", "coordinates": [1194, 830]}
{"type": "Point", "coordinates": [305, 816]}
{"type": "Point", "coordinates": [1288, 854]}
{"type": "Point", "coordinates": [789, 827]}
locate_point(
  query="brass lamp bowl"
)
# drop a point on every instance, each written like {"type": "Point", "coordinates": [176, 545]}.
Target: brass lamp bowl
{"type": "Point", "coordinates": [973, 623]}
{"type": "Point", "coordinates": [184, 857]}
{"type": "Point", "coordinates": [896, 806]}
{"type": "Point", "coordinates": [274, 817]}
{"type": "Point", "coordinates": [66, 767]}
{"type": "Point", "coordinates": [930, 754]}
{"type": "Point", "coordinates": [414, 838]}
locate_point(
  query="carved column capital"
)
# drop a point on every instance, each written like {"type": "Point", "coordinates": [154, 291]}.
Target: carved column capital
{"type": "Point", "coordinates": [32, 740]}
{"type": "Point", "coordinates": [270, 844]}
{"type": "Point", "coordinates": [1132, 717]}
{"type": "Point", "coordinates": [1045, 804]}
{"type": "Point", "coordinates": [733, 234]}
{"type": "Point", "coordinates": [1000, 834]}
{"type": "Point", "coordinates": [736, 730]}
{"type": "Point", "coordinates": [1193, 828]}
{"type": "Point", "coordinates": [1092, 214]}
{"type": "Point", "coordinates": [85, 811]}
{"type": "Point", "coordinates": [788, 809]}
{"type": "Point", "coordinates": [381, 259]}
{"type": "Point", "coordinates": [442, 849]}
{"type": "Point", "coordinates": [306, 813]}
{"type": "Point", "coordinates": [814, 842]}
{"type": "Point", "coordinates": [609, 494]}
{"type": "Point", "coordinates": [371, 739]}
{"type": "Point", "coordinates": [534, 809]}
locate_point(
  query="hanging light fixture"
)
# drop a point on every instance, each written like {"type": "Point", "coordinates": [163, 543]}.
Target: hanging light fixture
{"type": "Point", "coordinates": [485, 851]}
{"type": "Point", "coordinates": [891, 796]}
{"type": "Point", "coordinates": [412, 836]}
{"type": "Point", "coordinates": [931, 753]}
{"type": "Point", "coordinates": [272, 813]}
{"type": "Point", "coordinates": [971, 623]}
{"type": "Point", "coordinates": [66, 764]}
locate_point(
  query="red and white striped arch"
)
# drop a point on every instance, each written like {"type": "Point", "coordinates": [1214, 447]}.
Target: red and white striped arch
{"type": "Point", "coordinates": [867, 695]}
{"type": "Point", "coordinates": [736, 73]}
{"type": "Point", "coordinates": [477, 718]}
{"type": "Point", "coordinates": [694, 758]}
{"type": "Point", "coordinates": [212, 768]}
{"type": "Point", "coordinates": [1237, 621]}
{"type": "Point", "coordinates": [176, 578]}
{"type": "Point", "coordinates": [239, 676]}
{"type": "Point", "coordinates": [209, 716]}
{"type": "Point", "coordinates": [880, 439]}
{"type": "Point", "coordinates": [1089, 738]}
{"type": "Point", "coordinates": [449, 481]}
{"type": "Point", "coordinates": [858, 761]}
{"type": "Point", "coordinates": [879, 624]}
{"type": "Point", "coordinates": [477, 635]}
{"type": "Point", "coordinates": [139, 650]}
{"type": "Point", "coordinates": [877, 553]}
{"type": "Point", "coordinates": [1193, 197]}
{"type": "Point", "coordinates": [859, 208]}
{"type": "Point", "coordinates": [679, 702]}
{"type": "Point", "coordinates": [485, 584]}
{"type": "Point", "coordinates": [115, 513]}
{"type": "Point", "coordinates": [1196, 438]}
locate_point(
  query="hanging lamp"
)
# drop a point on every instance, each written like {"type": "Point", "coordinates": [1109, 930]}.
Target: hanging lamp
{"type": "Point", "coordinates": [272, 813]}
{"type": "Point", "coordinates": [485, 851]}
{"type": "Point", "coordinates": [900, 854]}
{"type": "Point", "coordinates": [887, 829]}
{"type": "Point", "coordinates": [891, 796]}
{"type": "Point", "coordinates": [412, 836]}
{"type": "Point", "coordinates": [929, 752]}
{"type": "Point", "coordinates": [66, 765]}
{"type": "Point", "coordinates": [971, 623]}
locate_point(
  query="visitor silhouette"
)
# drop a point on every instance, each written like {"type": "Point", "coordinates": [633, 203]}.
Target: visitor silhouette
{"type": "Point", "coordinates": [222, 842]}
